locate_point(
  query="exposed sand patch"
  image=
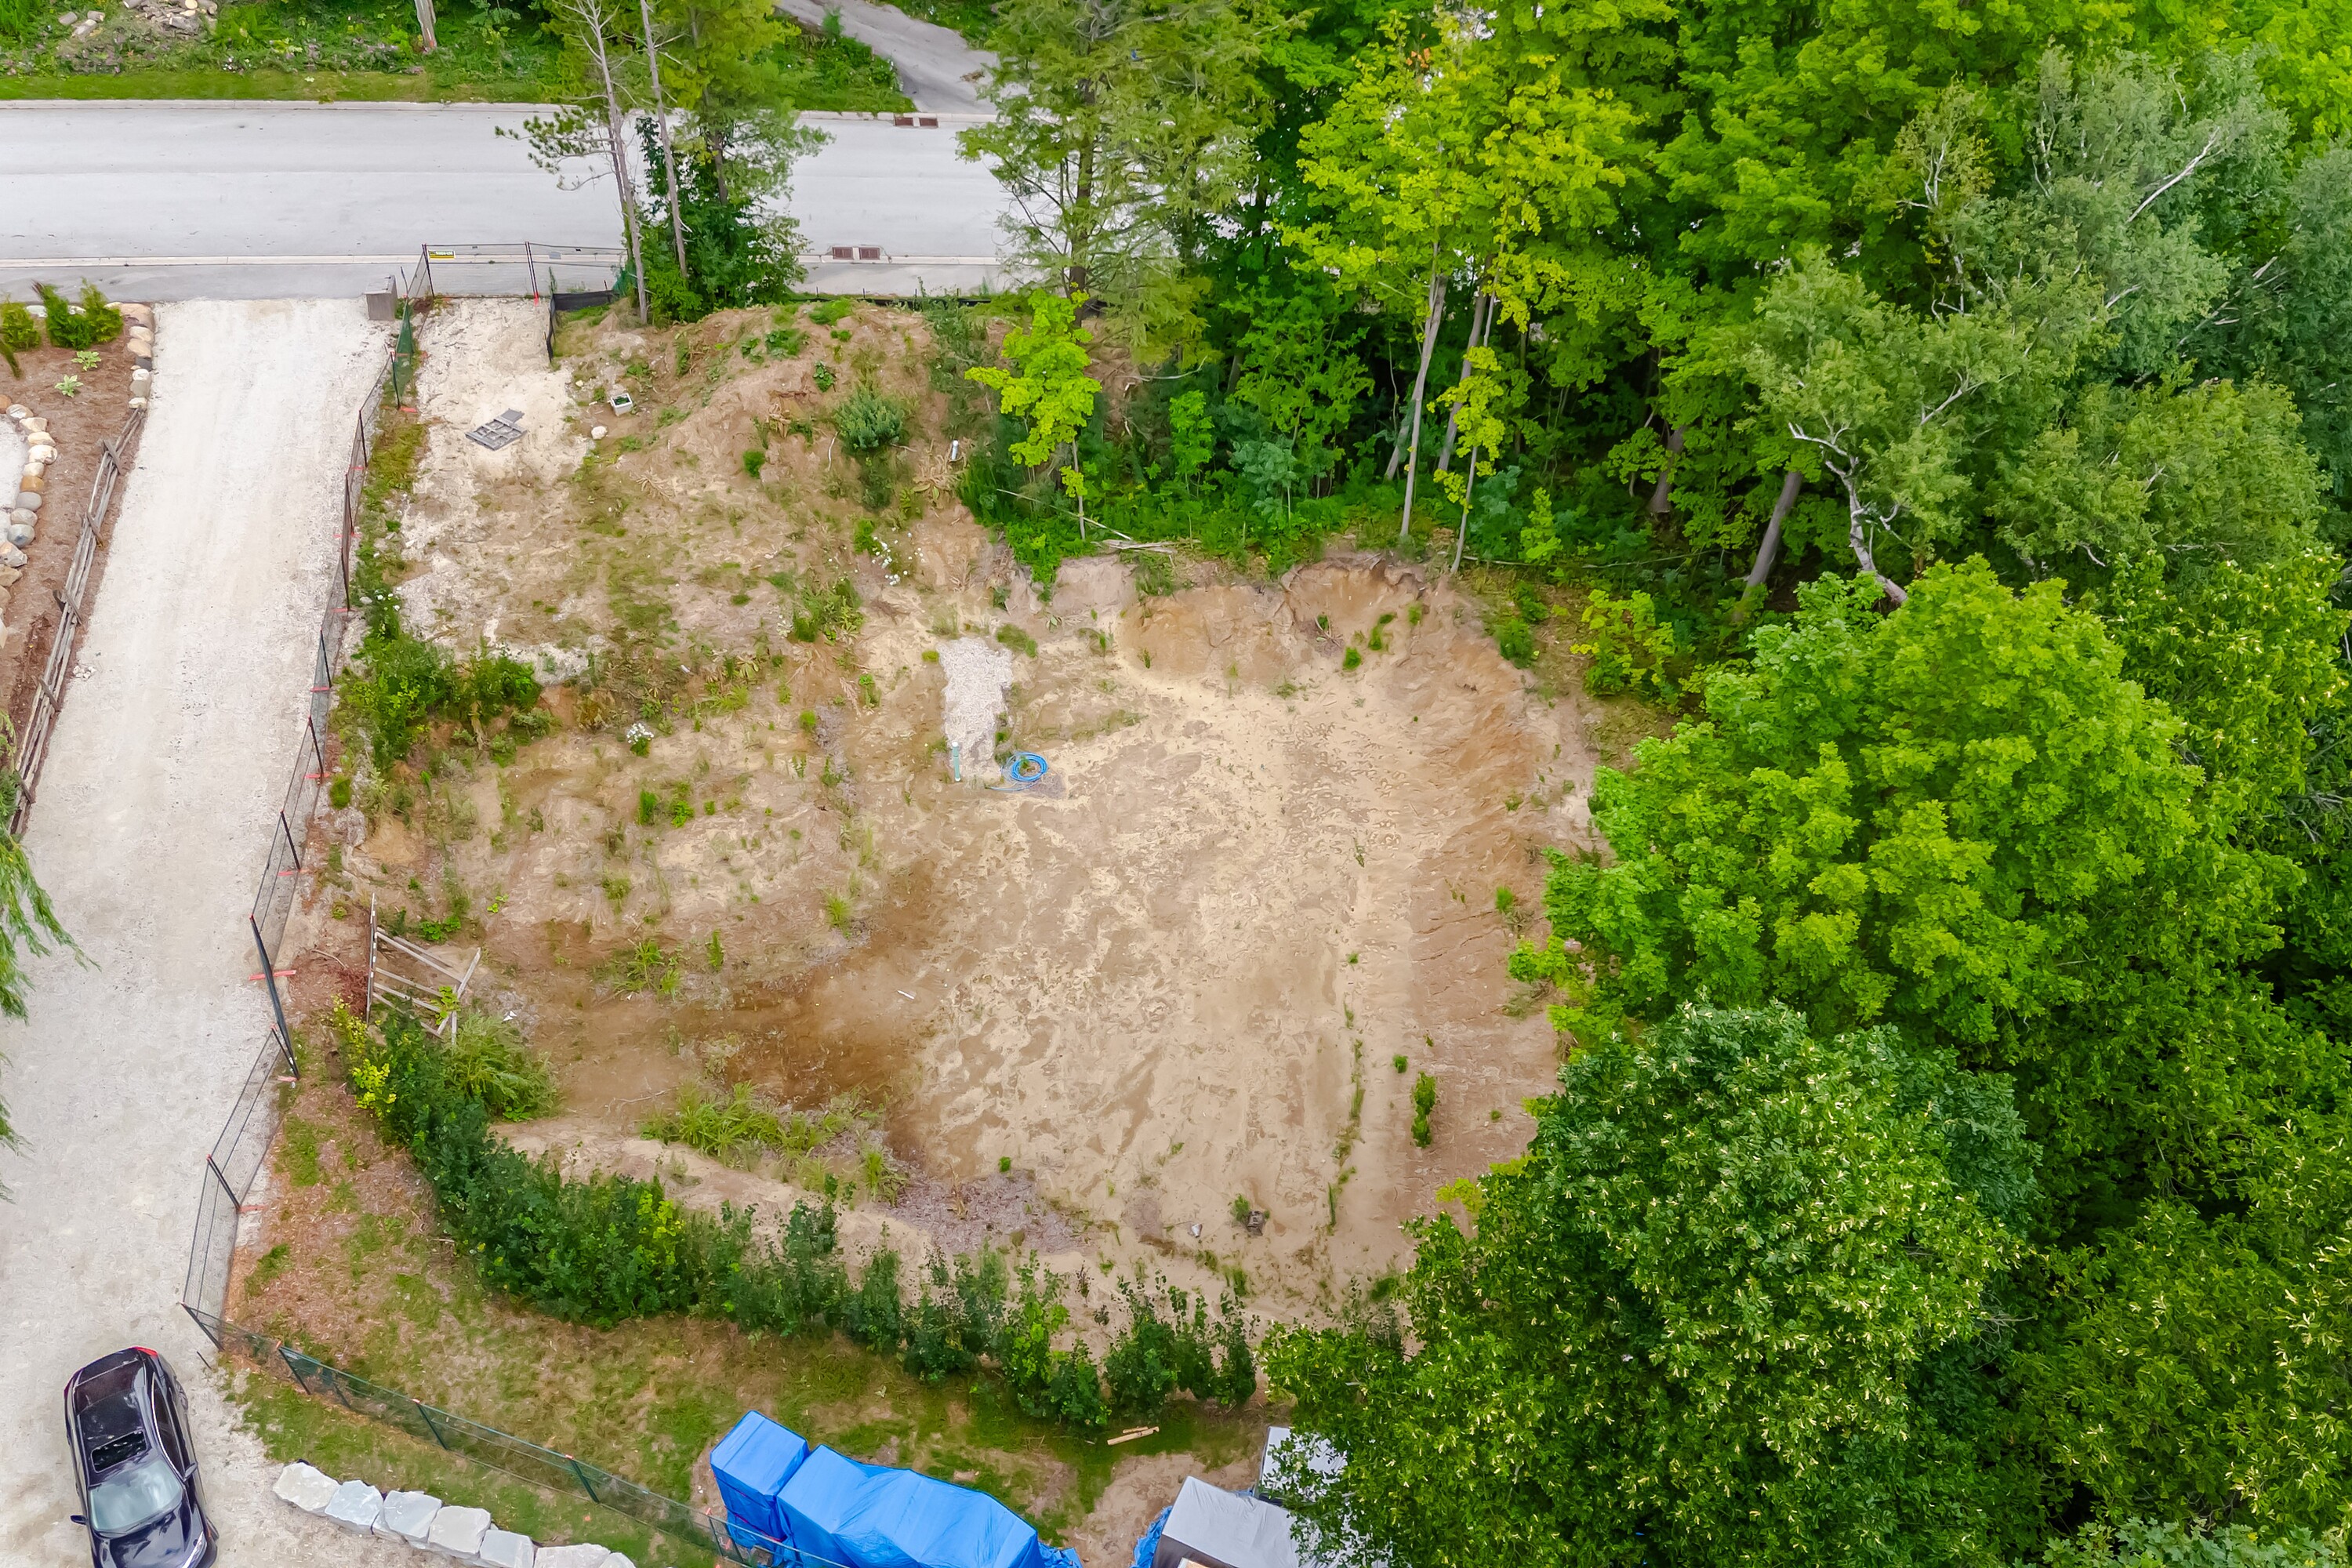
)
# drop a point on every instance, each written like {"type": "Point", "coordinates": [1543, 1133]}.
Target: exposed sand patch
{"type": "Point", "coordinates": [1178, 977]}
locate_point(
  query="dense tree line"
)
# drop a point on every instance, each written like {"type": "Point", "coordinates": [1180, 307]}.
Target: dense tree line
{"type": "Point", "coordinates": [1954, 1148]}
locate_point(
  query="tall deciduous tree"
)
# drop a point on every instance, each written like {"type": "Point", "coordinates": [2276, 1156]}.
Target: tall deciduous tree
{"type": "Point", "coordinates": [592, 126]}
{"type": "Point", "coordinates": [1725, 1309]}
{"type": "Point", "coordinates": [1121, 129]}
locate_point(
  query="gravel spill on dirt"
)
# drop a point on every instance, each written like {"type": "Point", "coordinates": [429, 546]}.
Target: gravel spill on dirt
{"type": "Point", "coordinates": [166, 765]}
{"type": "Point", "coordinates": [978, 671]}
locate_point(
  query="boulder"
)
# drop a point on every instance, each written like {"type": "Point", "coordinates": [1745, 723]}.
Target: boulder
{"type": "Point", "coordinates": [33, 484]}
{"type": "Point", "coordinates": [9, 575]}
{"type": "Point", "coordinates": [136, 313]}
{"type": "Point", "coordinates": [584, 1555]}
{"type": "Point", "coordinates": [355, 1505]}
{"type": "Point", "coordinates": [140, 377]}
{"type": "Point", "coordinates": [19, 515]}
{"type": "Point", "coordinates": [35, 470]}
{"type": "Point", "coordinates": [41, 453]}
{"type": "Point", "coordinates": [36, 422]}
{"type": "Point", "coordinates": [504, 1549]}
{"type": "Point", "coordinates": [407, 1516]}
{"type": "Point", "coordinates": [19, 411]}
{"type": "Point", "coordinates": [19, 534]}
{"type": "Point", "coordinates": [28, 500]}
{"type": "Point", "coordinates": [298, 1484]}
{"type": "Point", "coordinates": [458, 1532]}
{"type": "Point", "coordinates": [138, 403]}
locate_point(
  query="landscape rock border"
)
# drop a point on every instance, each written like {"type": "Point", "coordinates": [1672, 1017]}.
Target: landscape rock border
{"type": "Point", "coordinates": [419, 1518]}
{"type": "Point", "coordinates": [29, 498]}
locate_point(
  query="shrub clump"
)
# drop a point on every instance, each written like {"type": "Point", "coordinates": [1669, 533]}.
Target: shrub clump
{"type": "Point", "coordinates": [611, 1247]}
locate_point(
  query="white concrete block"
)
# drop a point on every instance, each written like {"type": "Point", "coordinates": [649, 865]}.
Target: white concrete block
{"type": "Point", "coordinates": [580, 1554]}
{"type": "Point", "coordinates": [354, 1506]}
{"type": "Point", "coordinates": [458, 1532]}
{"type": "Point", "coordinates": [407, 1516]}
{"type": "Point", "coordinates": [307, 1488]}
{"type": "Point", "coordinates": [504, 1549]}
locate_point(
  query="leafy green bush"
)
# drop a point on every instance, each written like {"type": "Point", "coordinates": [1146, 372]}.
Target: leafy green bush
{"type": "Point", "coordinates": [612, 1247]}
{"type": "Point", "coordinates": [1424, 1100]}
{"type": "Point", "coordinates": [95, 322]}
{"type": "Point", "coordinates": [866, 421]}
{"type": "Point", "coordinates": [488, 1061]}
{"type": "Point", "coordinates": [1630, 651]}
{"type": "Point", "coordinates": [1153, 1356]}
{"type": "Point", "coordinates": [824, 312]}
{"type": "Point", "coordinates": [407, 684]}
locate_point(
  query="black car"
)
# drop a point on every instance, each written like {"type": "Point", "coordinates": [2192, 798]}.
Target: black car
{"type": "Point", "coordinates": [129, 1425]}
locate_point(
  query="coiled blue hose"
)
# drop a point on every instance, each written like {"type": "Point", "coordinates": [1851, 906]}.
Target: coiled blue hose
{"type": "Point", "coordinates": [1021, 769]}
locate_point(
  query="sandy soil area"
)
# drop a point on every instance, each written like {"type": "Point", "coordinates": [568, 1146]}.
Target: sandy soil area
{"type": "Point", "coordinates": [148, 833]}
{"type": "Point", "coordinates": [1202, 961]}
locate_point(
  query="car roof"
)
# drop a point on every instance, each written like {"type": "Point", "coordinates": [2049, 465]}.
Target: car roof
{"type": "Point", "coordinates": [109, 1399]}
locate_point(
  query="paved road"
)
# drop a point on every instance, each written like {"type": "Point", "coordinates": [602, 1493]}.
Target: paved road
{"type": "Point", "coordinates": [167, 761]}
{"type": "Point", "coordinates": [185, 200]}
{"type": "Point", "coordinates": [939, 71]}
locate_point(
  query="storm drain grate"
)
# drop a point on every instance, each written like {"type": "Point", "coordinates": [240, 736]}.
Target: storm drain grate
{"type": "Point", "coordinates": [503, 431]}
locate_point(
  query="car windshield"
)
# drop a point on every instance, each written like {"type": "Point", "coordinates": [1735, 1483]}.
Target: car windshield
{"type": "Point", "coordinates": [133, 1497]}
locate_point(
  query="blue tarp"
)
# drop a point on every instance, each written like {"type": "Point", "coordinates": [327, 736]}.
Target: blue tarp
{"type": "Point", "coordinates": [822, 1494]}
{"type": "Point", "coordinates": [902, 1519]}
{"type": "Point", "coordinates": [752, 1465]}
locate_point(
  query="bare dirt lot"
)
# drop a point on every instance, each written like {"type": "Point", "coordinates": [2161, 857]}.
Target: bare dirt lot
{"type": "Point", "coordinates": [1203, 959]}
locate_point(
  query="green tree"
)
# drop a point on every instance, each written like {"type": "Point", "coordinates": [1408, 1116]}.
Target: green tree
{"type": "Point", "coordinates": [1047, 387]}
{"type": "Point", "coordinates": [1960, 819]}
{"type": "Point", "coordinates": [1121, 131]}
{"type": "Point", "coordinates": [1724, 1311]}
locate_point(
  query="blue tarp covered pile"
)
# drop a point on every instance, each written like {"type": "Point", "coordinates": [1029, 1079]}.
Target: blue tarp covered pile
{"type": "Point", "coordinates": [752, 1465]}
{"type": "Point", "coordinates": [828, 1509]}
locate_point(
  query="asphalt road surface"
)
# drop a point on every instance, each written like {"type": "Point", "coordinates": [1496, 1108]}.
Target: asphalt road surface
{"type": "Point", "coordinates": [201, 200]}
{"type": "Point", "coordinates": [939, 71]}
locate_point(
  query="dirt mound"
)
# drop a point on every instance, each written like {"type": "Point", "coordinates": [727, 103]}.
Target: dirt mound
{"type": "Point", "coordinates": [1202, 962]}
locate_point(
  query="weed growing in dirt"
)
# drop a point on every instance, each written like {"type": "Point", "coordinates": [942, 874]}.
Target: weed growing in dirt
{"type": "Point", "coordinates": [1013, 637]}
{"type": "Point", "coordinates": [837, 912]}
{"type": "Point", "coordinates": [832, 613]}
{"type": "Point", "coordinates": [647, 966]}
{"type": "Point", "coordinates": [740, 1127]}
{"type": "Point", "coordinates": [1424, 1100]}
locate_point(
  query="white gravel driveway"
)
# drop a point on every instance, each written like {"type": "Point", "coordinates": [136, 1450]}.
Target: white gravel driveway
{"type": "Point", "coordinates": [167, 763]}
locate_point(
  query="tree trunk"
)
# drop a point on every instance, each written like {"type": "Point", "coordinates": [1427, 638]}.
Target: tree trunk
{"type": "Point", "coordinates": [1481, 316]}
{"type": "Point", "coordinates": [1662, 498]}
{"type": "Point", "coordinates": [1074, 277]}
{"type": "Point", "coordinates": [616, 140]}
{"type": "Point", "coordinates": [661, 124]}
{"type": "Point", "coordinates": [425, 25]}
{"type": "Point", "coordinates": [1433, 302]}
{"type": "Point", "coordinates": [1768, 551]}
{"type": "Point", "coordinates": [1858, 535]}
{"type": "Point", "coordinates": [1468, 489]}
{"type": "Point", "coordinates": [1420, 387]}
